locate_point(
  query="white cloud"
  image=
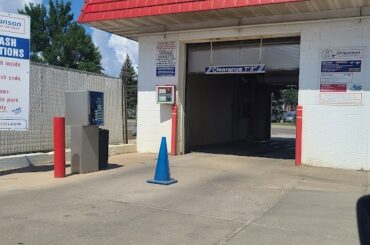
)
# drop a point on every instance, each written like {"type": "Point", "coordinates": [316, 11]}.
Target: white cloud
{"type": "Point", "coordinates": [123, 47]}
{"type": "Point", "coordinates": [12, 6]}
{"type": "Point", "coordinates": [114, 50]}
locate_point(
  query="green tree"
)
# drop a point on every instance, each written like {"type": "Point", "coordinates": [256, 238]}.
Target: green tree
{"type": "Point", "coordinates": [39, 35]}
{"type": "Point", "coordinates": [277, 106]}
{"type": "Point", "coordinates": [129, 79]}
{"type": "Point", "coordinates": [290, 97]}
{"type": "Point", "coordinates": [57, 39]}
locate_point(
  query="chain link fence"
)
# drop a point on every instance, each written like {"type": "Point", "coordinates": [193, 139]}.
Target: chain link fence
{"type": "Point", "coordinates": [47, 87]}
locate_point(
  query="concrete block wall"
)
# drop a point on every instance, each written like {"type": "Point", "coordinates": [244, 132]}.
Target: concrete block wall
{"type": "Point", "coordinates": [154, 120]}
{"type": "Point", "coordinates": [333, 136]}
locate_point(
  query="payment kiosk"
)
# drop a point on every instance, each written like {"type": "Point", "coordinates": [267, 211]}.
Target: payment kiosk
{"type": "Point", "coordinates": [84, 114]}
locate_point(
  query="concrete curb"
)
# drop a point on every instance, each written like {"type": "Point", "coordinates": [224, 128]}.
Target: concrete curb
{"type": "Point", "coordinates": [38, 159]}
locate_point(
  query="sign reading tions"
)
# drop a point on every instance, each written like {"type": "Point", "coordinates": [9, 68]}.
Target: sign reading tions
{"type": "Point", "coordinates": [14, 47]}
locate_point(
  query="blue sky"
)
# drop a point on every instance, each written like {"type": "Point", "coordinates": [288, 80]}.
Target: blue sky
{"type": "Point", "coordinates": [112, 47]}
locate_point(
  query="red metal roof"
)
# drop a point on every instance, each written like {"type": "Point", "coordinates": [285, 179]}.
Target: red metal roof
{"type": "Point", "coordinates": [100, 10]}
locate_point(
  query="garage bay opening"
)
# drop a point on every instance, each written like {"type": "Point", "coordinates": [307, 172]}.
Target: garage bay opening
{"type": "Point", "coordinates": [241, 97]}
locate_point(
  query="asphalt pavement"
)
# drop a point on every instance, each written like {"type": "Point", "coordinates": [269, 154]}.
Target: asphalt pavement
{"type": "Point", "coordinates": [283, 131]}
{"type": "Point", "coordinates": [219, 199]}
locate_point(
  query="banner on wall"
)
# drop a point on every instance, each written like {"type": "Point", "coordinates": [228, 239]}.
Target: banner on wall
{"type": "Point", "coordinates": [342, 76]}
{"type": "Point", "coordinates": [341, 66]}
{"type": "Point", "coordinates": [14, 71]}
{"type": "Point", "coordinates": [166, 59]}
{"type": "Point", "coordinates": [336, 78]}
{"type": "Point", "coordinates": [333, 87]}
{"type": "Point", "coordinates": [342, 53]}
{"type": "Point", "coordinates": [341, 98]}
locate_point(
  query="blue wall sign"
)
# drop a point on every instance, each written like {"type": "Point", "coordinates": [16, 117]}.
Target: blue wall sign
{"type": "Point", "coordinates": [244, 69]}
{"type": "Point", "coordinates": [14, 47]}
{"type": "Point", "coordinates": [341, 66]}
{"type": "Point", "coordinates": [166, 71]}
{"type": "Point", "coordinates": [96, 108]}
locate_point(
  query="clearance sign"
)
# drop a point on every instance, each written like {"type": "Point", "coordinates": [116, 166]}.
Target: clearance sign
{"type": "Point", "coordinates": [239, 69]}
{"type": "Point", "coordinates": [14, 71]}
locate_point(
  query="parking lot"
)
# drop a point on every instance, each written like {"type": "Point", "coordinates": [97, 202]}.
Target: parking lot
{"type": "Point", "coordinates": [219, 199]}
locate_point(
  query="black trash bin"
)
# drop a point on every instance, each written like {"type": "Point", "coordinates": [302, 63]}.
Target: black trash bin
{"type": "Point", "coordinates": [103, 148]}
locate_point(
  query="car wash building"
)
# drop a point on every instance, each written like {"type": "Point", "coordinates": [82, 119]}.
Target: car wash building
{"type": "Point", "coordinates": [207, 69]}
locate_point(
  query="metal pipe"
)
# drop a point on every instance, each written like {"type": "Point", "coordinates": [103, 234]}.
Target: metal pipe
{"type": "Point", "coordinates": [211, 53]}
{"type": "Point", "coordinates": [299, 128]}
{"type": "Point", "coordinates": [59, 148]}
{"type": "Point", "coordinates": [260, 58]}
{"type": "Point", "coordinates": [174, 130]}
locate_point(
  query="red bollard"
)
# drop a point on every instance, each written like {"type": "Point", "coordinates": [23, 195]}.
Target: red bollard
{"type": "Point", "coordinates": [174, 130]}
{"type": "Point", "coordinates": [59, 148]}
{"type": "Point", "coordinates": [298, 142]}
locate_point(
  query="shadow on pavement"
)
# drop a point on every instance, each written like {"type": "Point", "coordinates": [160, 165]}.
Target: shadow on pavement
{"type": "Point", "coordinates": [112, 166]}
{"type": "Point", "coordinates": [276, 148]}
{"type": "Point", "coordinates": [48, 168]}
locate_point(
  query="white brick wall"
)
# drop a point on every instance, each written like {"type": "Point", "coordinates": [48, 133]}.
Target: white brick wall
{"type": "Point", "coordinates": [154, 121]}
{"type": "Point", "coordinates": [333, 136]}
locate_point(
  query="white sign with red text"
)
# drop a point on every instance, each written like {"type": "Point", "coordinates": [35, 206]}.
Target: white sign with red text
{"type": "Point", "coordinates": [15, 33]}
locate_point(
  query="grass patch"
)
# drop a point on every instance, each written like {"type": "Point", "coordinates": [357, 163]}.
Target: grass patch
{"type": "Point", "coordinates": [284, 124]}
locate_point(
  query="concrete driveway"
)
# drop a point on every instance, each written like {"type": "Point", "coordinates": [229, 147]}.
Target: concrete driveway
{"type": "Point", "coordinates": [219, 199]}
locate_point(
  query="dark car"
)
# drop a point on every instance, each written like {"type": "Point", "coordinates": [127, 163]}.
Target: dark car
{"type": "Point", "coordinates": [276, 118]}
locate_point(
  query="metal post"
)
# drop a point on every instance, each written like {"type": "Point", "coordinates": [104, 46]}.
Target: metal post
{"type": "Point", "coordinates": [59, 147]}
{"type": "Point", "coordinates": [174, 130]}
{"type": "Point", "coordinates": [260, 55]}
{"type": "Point", "coordinates": [299, 128]}
{"type": "Point", "coordinates": [211, 54]}
{"type": "Point", "coordinates": [124, 111]}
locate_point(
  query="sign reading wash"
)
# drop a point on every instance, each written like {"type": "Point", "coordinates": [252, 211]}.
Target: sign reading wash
{"type": "Point", "coordinates": [243, 69]}
{"type": "Point", "coordinates": [14, 71]}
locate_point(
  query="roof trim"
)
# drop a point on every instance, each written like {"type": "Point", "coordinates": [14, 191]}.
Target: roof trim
{"type": "Point", "coordinates": [103, 10]}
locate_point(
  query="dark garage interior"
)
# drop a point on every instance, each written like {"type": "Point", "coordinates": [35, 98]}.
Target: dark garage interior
{"type": "Point", "coordinates": [231, 113]}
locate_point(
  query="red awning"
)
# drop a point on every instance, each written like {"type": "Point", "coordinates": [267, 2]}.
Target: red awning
{"type": "Point", "coordinates": [132, 18]}
{"type": "Point", "coordinates": [99, 10]}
